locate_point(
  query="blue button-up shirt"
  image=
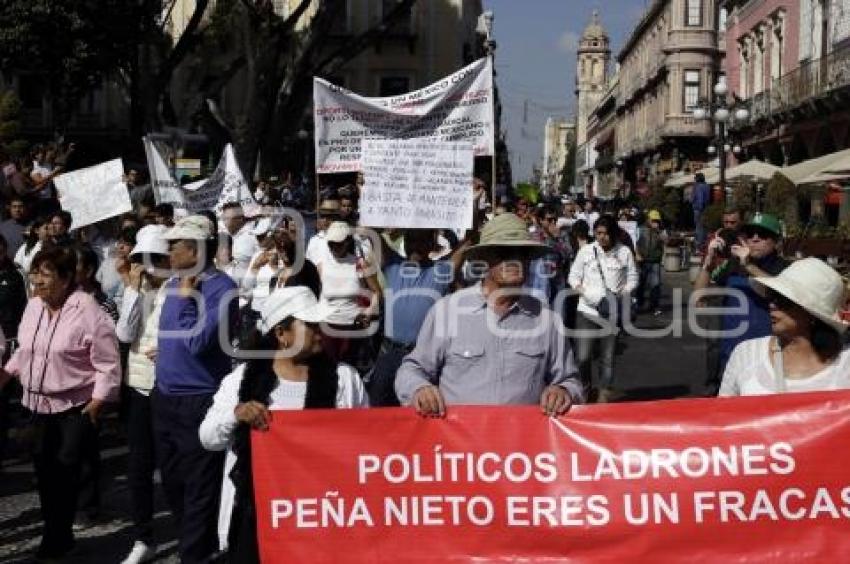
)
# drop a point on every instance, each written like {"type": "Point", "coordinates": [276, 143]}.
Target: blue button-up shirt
{"type": "Point", "coordinates": [191, 360]}
{"type": "Point", "coordinates": [477, 357]}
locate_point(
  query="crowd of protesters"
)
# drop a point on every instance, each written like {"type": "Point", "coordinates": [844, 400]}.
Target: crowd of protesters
{"type": "Point", "coordinates": [156, 311]}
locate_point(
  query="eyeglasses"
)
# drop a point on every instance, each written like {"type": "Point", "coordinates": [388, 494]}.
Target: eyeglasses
{"type": "Point", "coordinates": [549, 219]}
{"type": "Point", "coordinates": [780, 301]}
{"type": "Point", "coordinates": [753, 232]}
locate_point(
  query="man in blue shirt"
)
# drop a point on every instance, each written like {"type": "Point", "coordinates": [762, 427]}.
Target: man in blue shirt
{"type": "Point", "coordinates": [412, 288]}
{"type": "Point", "coordinates": [190, 364]}
{"type": "Point", "coordinates": [754, 255]}
{"type": "Point", "coordinates": [700, 199]}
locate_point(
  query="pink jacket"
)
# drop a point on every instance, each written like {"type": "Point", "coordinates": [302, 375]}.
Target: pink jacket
{"type": "Point", "coordinates": [66, 360]}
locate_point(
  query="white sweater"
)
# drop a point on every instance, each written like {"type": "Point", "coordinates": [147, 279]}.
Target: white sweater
{"type": "Point", "coordinates": [621, 275]}
{"type": "Point", "coordinates": [217, 428]}
{"type": "Point", "coordinates": [750, 372]}
{"type": "Point", "coordinates": [138, 324]}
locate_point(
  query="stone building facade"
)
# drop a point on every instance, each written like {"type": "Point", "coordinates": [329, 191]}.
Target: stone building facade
{"type": "Point", "coordinates": [668, 64]}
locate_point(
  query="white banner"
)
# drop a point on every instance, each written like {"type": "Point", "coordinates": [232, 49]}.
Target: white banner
{"type": "Point", "coordinates": [165, 188]}
{"type": "Point", "coordinates": [93, 194]}
{"type": "Point", "coordinates": [456, 108]}
{"type": "Point", "coordinates": [422, 184]}
{"type": "Point", "coordinates": [226, 184]}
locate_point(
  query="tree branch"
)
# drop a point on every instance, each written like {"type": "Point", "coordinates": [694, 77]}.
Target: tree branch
{"type": "Point", "coordinates": [293, 18]}
{"type": "Point", "coordinates": [359, 43]}
{"type": "Point", "coordinates": [167, 17]}
{"type": "Point", "coordinates": [187, 40]}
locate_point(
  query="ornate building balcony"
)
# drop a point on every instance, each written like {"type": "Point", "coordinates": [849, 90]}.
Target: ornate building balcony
{"type": "Point", "coordinates": [812, 81]}
{"type": "Point", "coordinates": [686, 126]}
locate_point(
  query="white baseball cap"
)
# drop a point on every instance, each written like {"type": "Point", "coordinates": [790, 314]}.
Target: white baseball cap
{"type": "Point", "coordinates": [150, 240]}
{"type": "Point", "coordinates": [195, 227]}
{"type": "Point", "coordinates": [296, 301]}
{"type": "Point", "coordinates": [338, 232]}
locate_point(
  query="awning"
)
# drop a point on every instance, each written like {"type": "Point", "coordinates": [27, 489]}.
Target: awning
{"type": "Point", "coordinates": [811, 171]}
{"type": "Point", "coordinates": [675, 178]}
{"type": "Point", "coordinates": [752, 170]}
{"type": "Point", "coordinates": [711, 173]}
{"type": "Point", "coordinates": [605, 139]}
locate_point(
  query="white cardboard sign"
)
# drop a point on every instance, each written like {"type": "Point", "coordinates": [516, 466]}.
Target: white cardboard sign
{"type": "Point", "coordinates": [417, 184]}
{"type": "Point", "coordinates": [95, 193]}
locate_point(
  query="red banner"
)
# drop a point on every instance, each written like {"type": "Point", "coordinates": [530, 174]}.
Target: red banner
{"type": "Point", "coordinates": [757, 479]}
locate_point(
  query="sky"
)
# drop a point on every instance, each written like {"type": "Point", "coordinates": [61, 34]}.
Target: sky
{"type": "Point", "coordinates": [536, 61]}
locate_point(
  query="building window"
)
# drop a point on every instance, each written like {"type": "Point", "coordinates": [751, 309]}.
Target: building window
{"type": "Point", "coordinates": [393, 86]}
{"type": "Point", "coordinates": [692, 88]}
{"type": "Point", "coordinates": [693, 13]}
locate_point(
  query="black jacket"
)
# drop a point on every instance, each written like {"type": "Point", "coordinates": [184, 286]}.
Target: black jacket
{"type": "Point", "coordinates": [257, 385]}
{"type": "Point", "coordinates": [13, 299]}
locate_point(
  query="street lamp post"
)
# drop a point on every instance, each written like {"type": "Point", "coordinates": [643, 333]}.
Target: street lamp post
{"type": "Point", "coordinates": [722, 113]}
{"type": "Point", "coordinates": [485, 24]}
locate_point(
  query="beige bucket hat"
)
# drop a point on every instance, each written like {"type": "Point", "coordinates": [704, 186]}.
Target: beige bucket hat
{"type": "Point", "coordinates": [506, 231]}
{"type": "Point", "coordinates": [811, 284]}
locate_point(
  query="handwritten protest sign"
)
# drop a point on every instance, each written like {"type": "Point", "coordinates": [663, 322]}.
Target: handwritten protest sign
{"type": "Point", "coordinates": [457, 108]}
{"type": "Point", "coordinates": [705, 480]}
{"type": "Point", "coordinates": [93, 194]}
{"type": "Point", "coordinates": [417, 184]}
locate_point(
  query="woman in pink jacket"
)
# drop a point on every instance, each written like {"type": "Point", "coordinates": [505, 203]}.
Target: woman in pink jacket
{"type": "Point", "coordinates": [68, 366]}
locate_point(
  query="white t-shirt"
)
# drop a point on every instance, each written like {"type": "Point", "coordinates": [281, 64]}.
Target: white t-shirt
{"type": "Point", "coordinates": [219, 424]}
{"type": "Point", "coordinates": [24, 258]}
{"type": "Point", "coordinates": [750, 372]}
{"type": "Point", "coordinates": [317, 248]}
{"type": "Point", "coordinates": [340, 288]}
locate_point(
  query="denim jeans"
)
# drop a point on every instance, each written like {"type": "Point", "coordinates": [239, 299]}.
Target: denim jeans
{"type": "Point", "coordinates": [585, 349]}
{"type": "Point", "coordinates": [650, 279]}
{"type": "Point", "coordinates": [700, 229]}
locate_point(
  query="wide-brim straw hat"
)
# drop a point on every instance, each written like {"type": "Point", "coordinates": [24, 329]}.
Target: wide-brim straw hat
{"type": "Point", "coordinates": [329, 207]}
{"type": "Point", "coordinates": [811, 284]}
{"type": "Point", "coordinates": [505, 231]}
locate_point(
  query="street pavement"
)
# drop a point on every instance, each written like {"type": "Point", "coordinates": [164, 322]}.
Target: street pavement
{"type": "Point", "coordinates": [646, 369]}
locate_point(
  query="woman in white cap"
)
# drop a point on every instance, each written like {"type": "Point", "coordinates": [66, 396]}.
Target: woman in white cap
{"type": "Point", "coordinates": [805, 351]}
{"type": "Point", "coordinates": [138, 327]}
{"type": "Point", "coordinates": [351, 291]}
{"type": "Point", "coordinates": [294, 373]}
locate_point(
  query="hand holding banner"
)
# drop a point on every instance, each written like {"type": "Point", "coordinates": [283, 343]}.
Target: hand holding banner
{"type": "Point", "coordinates": [710, 479]}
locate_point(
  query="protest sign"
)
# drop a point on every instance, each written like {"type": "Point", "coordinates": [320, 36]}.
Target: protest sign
{"type": "Point", "coordinates": [166, 190]}
{"type": "Point", "coordinates": [93, 194]}
{"type": "Point", "coordinates": [457, 108]}
{"type": "Point", "coordinates": [670, 481]}
{"type": "Point", "coordinates": [226, 184]}
{"type": "Point", "coordinates": [417, 184]}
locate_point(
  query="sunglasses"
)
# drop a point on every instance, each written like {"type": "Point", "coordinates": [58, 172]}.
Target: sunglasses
{"type": "Point", "coordinates": [781, 302]}
{"type": "Point", "coordinates": [753, 232]}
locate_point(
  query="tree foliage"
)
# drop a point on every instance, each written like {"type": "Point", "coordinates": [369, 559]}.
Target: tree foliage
{"type": "Point", "coordinates": [73, 44]}
{"type": "Point", "coordinates": [271, 61]}
{"type": "Point", "coordinates": [226, 46]}
{"type": "Point", "coordinates": [10, 125]}
{"type": "Point", "coordinates": [568, 174]}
